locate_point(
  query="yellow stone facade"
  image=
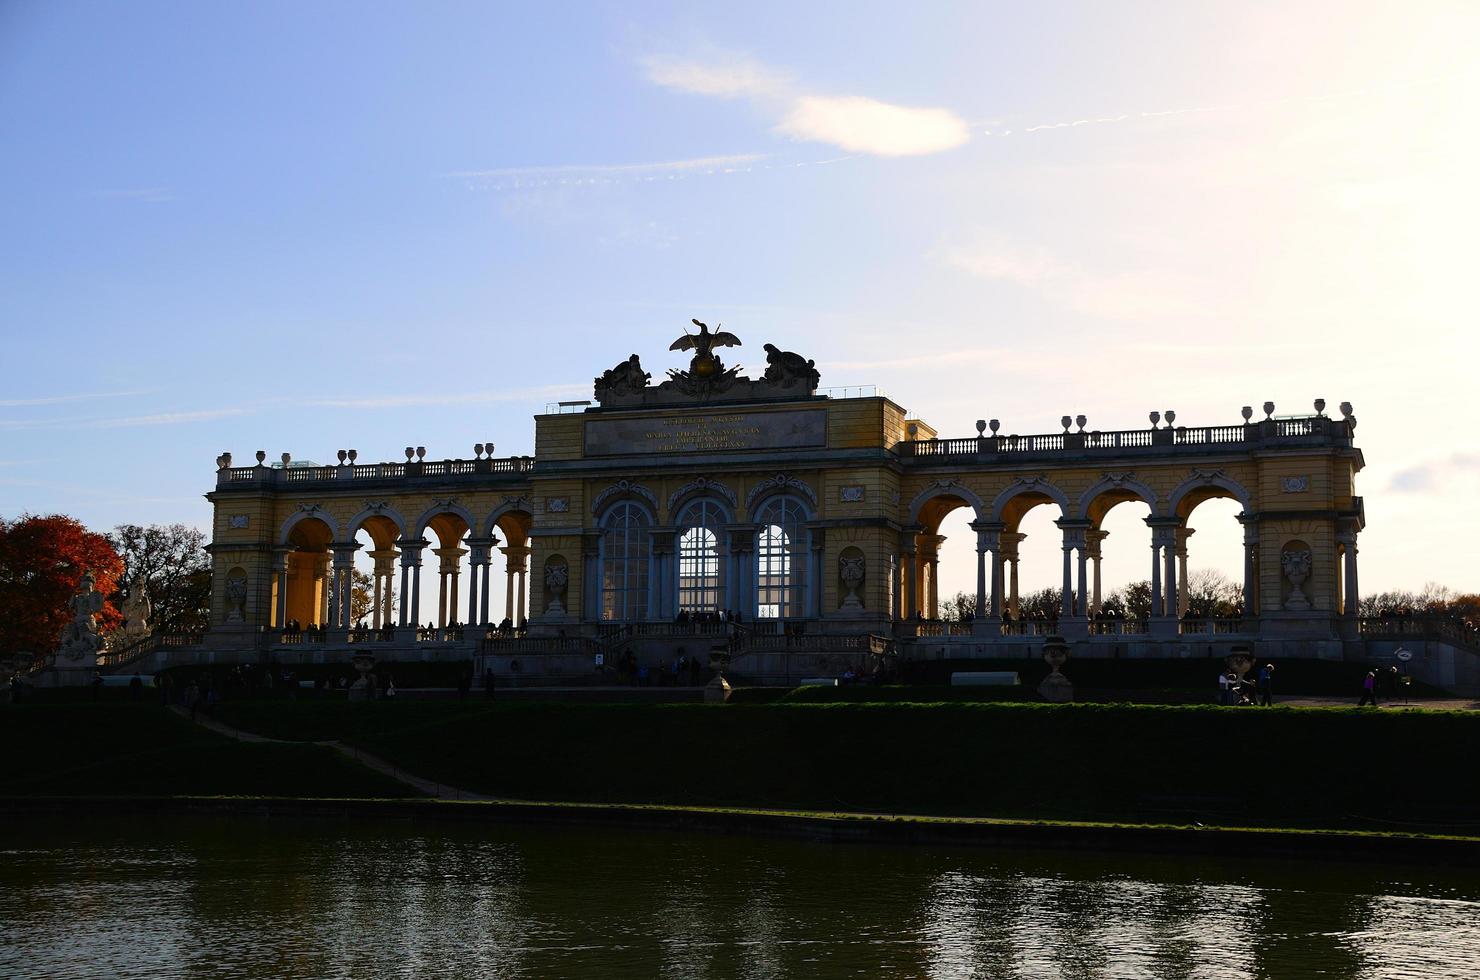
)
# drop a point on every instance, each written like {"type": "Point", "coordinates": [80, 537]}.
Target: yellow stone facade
{"type": "Point", "coordinates": [869, 486]}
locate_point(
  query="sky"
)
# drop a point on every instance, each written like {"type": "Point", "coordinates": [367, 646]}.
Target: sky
{"type": "Point", "coordinates": [310, 226]}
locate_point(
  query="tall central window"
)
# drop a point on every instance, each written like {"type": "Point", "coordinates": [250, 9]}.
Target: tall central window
{"type": "Point", "coordinates": [781, 559]}
{"type": "Point", "coordinates": [624, 563]}
{"type": "Point", "coordinates": [698, 557]}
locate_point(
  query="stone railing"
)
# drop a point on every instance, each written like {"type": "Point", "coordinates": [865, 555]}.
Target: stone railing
{"type": "Point", "coordinates": [1446, 629]}
{"type": "Point", "coordinates": [144, 646]}
{"type": "Point", "coordinates": [1306, 431]}
{"type": "Point", "coordinates": [358, 474]}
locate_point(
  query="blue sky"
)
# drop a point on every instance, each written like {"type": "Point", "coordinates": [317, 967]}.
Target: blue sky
{"type": "Point", "coordinates": [307, 226]}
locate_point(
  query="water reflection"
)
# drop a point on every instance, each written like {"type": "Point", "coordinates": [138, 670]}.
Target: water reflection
{"type": "Point", "coordinates": [257, 898]}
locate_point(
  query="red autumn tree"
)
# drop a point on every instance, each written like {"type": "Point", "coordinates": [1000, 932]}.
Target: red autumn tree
{"type": "Point", "coordinates": [41, 564]}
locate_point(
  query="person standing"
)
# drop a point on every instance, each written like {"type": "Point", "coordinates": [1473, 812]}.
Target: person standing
{"type": "Point", "coordinates": [1369, 690]}
{"type": "Point", "coordinates": [1265, 685]}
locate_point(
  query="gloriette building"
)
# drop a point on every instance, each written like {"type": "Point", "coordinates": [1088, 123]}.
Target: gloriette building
{"type": "Point", "coordinates": [813, 515]}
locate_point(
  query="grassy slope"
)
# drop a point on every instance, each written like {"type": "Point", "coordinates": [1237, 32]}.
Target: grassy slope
{"type": "Point", "coordinates": [1301, 767]}
{"type": "Point", "coordinates": [144, 750]}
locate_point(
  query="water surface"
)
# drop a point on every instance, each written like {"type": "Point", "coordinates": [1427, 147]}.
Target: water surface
{"type": "Point", "coordinates": [244, 897]}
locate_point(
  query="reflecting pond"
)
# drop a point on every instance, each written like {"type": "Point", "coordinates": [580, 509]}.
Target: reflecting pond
{"type": "Point", "coordinates": [247, 897]}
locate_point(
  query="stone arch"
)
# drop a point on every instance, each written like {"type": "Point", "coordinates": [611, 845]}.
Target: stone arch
{"type": "Point", "coordinates": [304, 513]}
{"type": "Point", "coordinates": [444, 507]}
{"type": "Point", "coordinates": [726, 511]}
{"type": "Point", "coordinates": [517, 508]}
{"type": "Point", "coordinates": [626, 490]}
{"type": "Point", "coordinates": [699, 488]}
{"type": "Point", "coordinates": [781, 485]}
{"type": "Point", "coordinates": [1023, 486]}
{"type": "Point", "coordinates": [371, 512]}
{"type": "Point", "coordinates": [1204, 485]}
{"type": "Point", "coordinates": [1119, 486]}
{"type": "Point", "coordinates": [945, 488]}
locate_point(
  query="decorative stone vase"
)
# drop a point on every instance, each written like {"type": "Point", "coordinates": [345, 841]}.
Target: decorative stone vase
{"type": "Point", "coordinates": [361, 690]}
{"type": "Point", "coordinates": [852, 572]}
{"type": "Point", "coordinates": [1056, 688]}
{"type": "Point", "coordinates": [557, 577]}
{"type": "Point", "coordinates": [1240, 661]}
{"type": "Point", "coordinates": [1296, 566]}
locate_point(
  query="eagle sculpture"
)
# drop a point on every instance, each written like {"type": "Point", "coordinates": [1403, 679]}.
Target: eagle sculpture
{"type": "Point", "coordinates": [705, 341]}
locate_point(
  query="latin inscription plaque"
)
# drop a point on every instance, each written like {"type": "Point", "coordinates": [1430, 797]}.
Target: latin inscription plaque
{"type": "Point", "coordinates": [713, 432]}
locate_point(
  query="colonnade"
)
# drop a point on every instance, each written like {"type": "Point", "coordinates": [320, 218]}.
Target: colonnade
{"type": "Point", "coordinates": [331, 580]}
{"type": "Point", "coordinates": [997, 597]}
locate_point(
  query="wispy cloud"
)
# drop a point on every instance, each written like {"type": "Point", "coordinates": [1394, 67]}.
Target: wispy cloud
{"type": "Point", "coordinates": [855, 123]}
{"type": "Point", "coordinates": [724, 75]}
{"type": "Point", "coordinates": [144, 195]}
{"type": "Point", "coordinates": [616, 169]}
{"type": "Point", "coordinates": [464, 398]}
{"type": "Point", "coordinates": [121, 422]}
{"type": "Point", "coordinates": [1130, 294]}
{"type": "Point", "coordinates": [1431, 475]}
{"type": "Point", "coordinates": [995, 259]}
{"type": "Point", "coordinates": [863, 125]}
{"type": "Point", "coordinates": [85, 396]}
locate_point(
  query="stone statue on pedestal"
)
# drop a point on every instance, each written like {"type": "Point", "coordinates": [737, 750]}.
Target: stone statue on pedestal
{"type": "Point", "coordinates": [136, 610]}
{"type": "Point", "coordinates": [78, 647]}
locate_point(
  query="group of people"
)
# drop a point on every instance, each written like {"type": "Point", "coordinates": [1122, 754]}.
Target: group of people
{"type": "Point", "coordinates": [1235, 691]}
{"type": "Point", "coordinates": [1381, 683]}
{"type": "Point", "coordinates": [706, 617]}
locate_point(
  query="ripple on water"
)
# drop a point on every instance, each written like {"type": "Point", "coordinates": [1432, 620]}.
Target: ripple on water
{"type": "Point", "coordinates": [243, 898]}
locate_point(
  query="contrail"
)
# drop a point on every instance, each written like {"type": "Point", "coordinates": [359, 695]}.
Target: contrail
{"type": "Point", "coordinates": [1226, 107]}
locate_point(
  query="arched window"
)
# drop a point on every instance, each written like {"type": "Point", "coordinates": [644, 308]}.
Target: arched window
{"type": "Point", "coordinates": [699, 580]}
{"type": "Point", "coordinates": [781, 559]}
{"type": "Point", "coordinates": [624, 563]}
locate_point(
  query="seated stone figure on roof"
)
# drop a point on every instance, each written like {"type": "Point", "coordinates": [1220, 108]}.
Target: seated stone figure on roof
{"type": "Point", "coordinates": [786, 368]}
{"type": "Point", "coordinates": [626, 378]}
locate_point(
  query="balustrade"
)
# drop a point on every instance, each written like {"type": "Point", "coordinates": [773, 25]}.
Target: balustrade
{"type": "Point", "coordinates": [1196, 439]}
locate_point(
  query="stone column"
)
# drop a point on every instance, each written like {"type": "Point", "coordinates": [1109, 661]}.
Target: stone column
{"type": "Point", "coordinates": [518, 559]}
{"type": "Point", "coordinates": [384, 559]}
{"type": "Point", "coordinates": [1172, 602]}
{"type": "Point", "coordinates": [988, 605]}
{"type": "Point", "coordinates": [321, 587]}
{"type": "Point", "coordinates": [911, 572]}
{"type": "Point", "coordinates": [1184, 598]}
{"type": "Point", "coordinates": [1094, 539]}
{"type": "Point", "coordinates": [1164, 574]}
{"type": "Point", "coordinates": [1011, 540]}
{"type": "Point", "coordinates": [591, 582]}
{"type": "Point", "coordinates": [411, 581]}
{"type": "Point", "coordinates": [1351, 599]}
{"type": "Point", "coordinates": [1156, 596]}
{"type": "Point", "coordinates": [280, 570]}
{"type": "Point", "coordinates": [344, 566]}
{"type": "Point", "coordinates": [478, 560]}
{"type": "Point", "coordinates": [1251, 560]}
{"type": "Point", "coordinates": [814, 574]}
{"type": "Point", "coordinates": [1066, 606]}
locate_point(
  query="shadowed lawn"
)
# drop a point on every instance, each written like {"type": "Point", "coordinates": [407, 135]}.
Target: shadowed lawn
{"type": "Point", "coordinates": [111, 749]}
{"type": "Point", "coordinates": [1293, 767]}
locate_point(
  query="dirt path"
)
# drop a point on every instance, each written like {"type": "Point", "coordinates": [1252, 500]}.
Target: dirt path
{"type": "Point", "coordinates": [425, 787]}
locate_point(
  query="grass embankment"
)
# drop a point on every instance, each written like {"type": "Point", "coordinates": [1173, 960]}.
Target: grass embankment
{"type": "Point", "coordinates": [111, 749]}
{"type": "Point", "coordinates": [1292, 767]}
